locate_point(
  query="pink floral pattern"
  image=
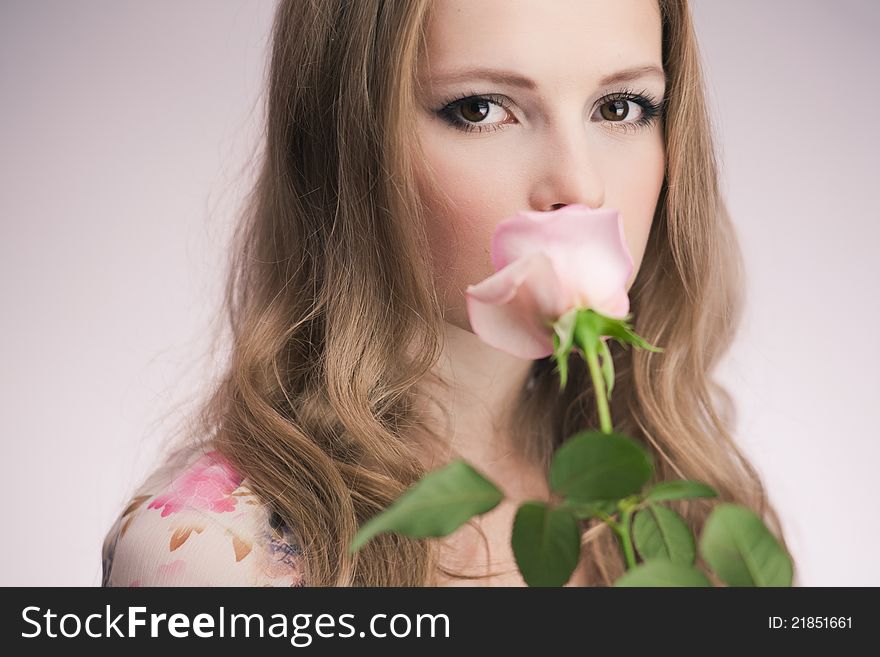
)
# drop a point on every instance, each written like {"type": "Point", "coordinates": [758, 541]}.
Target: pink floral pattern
{"type": "Point", "coordinates": [207, 484]}
{"type": "Point", "coordinates": [195, 522]}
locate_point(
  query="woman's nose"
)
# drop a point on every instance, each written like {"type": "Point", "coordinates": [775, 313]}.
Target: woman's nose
{"type": "Point", "coordinates": [569, 174]}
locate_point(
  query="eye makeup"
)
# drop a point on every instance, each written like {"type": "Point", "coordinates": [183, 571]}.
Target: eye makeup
{"type": "Point", "coordinates": [651, 110]}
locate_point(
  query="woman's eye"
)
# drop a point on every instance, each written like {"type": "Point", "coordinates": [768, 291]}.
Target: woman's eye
{"type": "Point", "coordinates": [489, 113]}
{"type": "Point", "coordinates": [617, 111]}
{"type": "Point", "coordinates": [475, 113]}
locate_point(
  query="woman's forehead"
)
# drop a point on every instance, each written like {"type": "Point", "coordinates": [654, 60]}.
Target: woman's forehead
{"type": "Point", "coordinates": [548, 43]}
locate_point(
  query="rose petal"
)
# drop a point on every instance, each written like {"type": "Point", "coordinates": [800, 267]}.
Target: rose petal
{"type": "Point", "coordinates": [513, 310]}
{"type": "Point", "coordinates": [615, 306]}
{"type": "Point", "coordinates": [587, 248]}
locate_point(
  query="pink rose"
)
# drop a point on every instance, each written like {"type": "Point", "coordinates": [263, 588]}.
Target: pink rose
{"type": "Point", "coordinates": [547, 263]}
{"type": "Point", "coordinates": [207, 484]}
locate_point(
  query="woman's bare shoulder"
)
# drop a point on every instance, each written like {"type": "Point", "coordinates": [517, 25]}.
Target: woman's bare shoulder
{"type": "Point", "coordinates": [195, 522]}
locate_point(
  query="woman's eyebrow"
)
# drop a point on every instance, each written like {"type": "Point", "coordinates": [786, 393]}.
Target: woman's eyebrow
{"type": "Point", "coordinates": [500, 76]}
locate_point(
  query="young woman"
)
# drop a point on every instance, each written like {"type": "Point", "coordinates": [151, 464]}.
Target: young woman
{"type": "Point", "coordinates": [399, 132]}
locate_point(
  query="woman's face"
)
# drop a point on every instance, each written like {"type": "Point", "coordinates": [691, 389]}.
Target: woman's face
{"type": "Point", "coordinates": [549, 134]}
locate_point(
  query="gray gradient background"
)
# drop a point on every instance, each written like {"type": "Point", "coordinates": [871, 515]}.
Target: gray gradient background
{"type": "Point", "coordinates": [125, 127]}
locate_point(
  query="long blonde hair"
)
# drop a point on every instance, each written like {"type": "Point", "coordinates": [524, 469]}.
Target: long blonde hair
{"type": "Point", "coordinates": [334, 319]}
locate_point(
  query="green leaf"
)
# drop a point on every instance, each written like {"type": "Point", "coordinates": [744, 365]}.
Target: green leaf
{"type": "Point", "coordinates": [635, 339]}
{"type": "Point", "coordinates": [660, 532]}
{"type": "Point", "coordinates": [660, 572]}
{"type": "Point", "coordinates": [593, 466]}
{"type": "Point", "coordinates": [679, 489]}
{"type": "Point", "coordinates": [436, 505]}
{"type": "Point", "coordinates": [546, 543]}
{"type": "Point", "coordinates": [741, 550]}
{"type": "Point", "coordinates": [590, 509]}
{"type": "Point", "coordinates": [589, 322]}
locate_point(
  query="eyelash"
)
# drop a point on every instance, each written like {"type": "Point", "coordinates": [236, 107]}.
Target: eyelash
{"type": "Point", "coordinates": [652, 110]}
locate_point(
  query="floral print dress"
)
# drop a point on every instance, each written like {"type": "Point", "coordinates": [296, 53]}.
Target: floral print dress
{"type": "Point", "coordinates": [195, 522]}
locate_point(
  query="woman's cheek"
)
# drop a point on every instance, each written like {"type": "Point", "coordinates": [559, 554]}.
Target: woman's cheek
{"type": "Point", "coordinates": [464, 257]}
{"type": "Point", "coordinates": [448, 242]}
{"type": "Point", "coordinates": [636, 237]}
{"type": "Point", "coordinates": [638, 202]}
{"type": "Point", "coordinates": [460, 233]}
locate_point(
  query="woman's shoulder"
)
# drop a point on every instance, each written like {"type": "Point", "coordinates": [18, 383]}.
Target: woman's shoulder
{"type": "Point", "coordinates": [195, 522]}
